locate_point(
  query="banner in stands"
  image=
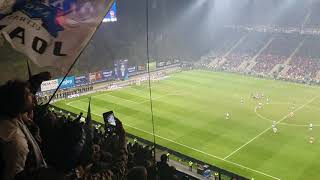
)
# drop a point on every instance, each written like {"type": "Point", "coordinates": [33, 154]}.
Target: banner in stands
{"type": "Point", "coordinates": [161, 64]}
{"type": "Point", "coordinates": [121, 69]}
{"type": "Point", "coordinates": [142, 67]}
{"type": "Point", "coordinates": [49, 85]}
{"type": "Point", "coordinates": [92, 77]}
{"type": "Point", "coordinates": [107, 75]}
{"type": "Point", "coordinates": [152, 66]}
{"type": "Point", "coordinates": [81, 80]}
{"type": "Point", "coordinates": [132, 70]}
{"type": "Point", "coordinates": [99, 77]}
{"type": "Point", "coordinates": [52, 32]}
{"type": "Point", "coordinates": [69, 82]}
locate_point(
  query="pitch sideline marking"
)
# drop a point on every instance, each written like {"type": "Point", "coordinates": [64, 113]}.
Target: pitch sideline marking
{"type": "Point", "coordinates": [178, 92]}
{"type": "Point", "coordinates": [284, 124]}
{"type": "Point", "coordinates": [142, 102]}
{"type": "Point", "coordinates": [194, 149]}
{"type": "Point", "coordinates": [285, 117]}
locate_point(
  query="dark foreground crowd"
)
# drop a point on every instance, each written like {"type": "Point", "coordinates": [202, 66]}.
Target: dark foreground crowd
{"type": "Point", "coordinates": [36, 143]}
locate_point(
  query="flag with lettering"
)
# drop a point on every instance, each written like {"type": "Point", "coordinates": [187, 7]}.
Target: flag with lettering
{"type": "Point", "coordinates": [51, 32]}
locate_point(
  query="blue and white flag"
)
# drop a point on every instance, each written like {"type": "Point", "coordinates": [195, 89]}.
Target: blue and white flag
{"type": "Point", "coordinates": [51, 32]}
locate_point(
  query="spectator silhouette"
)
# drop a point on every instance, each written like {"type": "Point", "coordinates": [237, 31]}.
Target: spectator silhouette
{"type": "Point", "coordinates": [137, 173]}
{"type": "Point", "coordinates": [20, 151]}
{"type": "Point", "coordinates": [165, 171]}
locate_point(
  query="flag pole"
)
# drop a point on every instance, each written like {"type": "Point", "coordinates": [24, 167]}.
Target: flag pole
{"type": "Point", "coordinates": [149, 81]}
{"type": "Point", "coordinates": [29, 69]}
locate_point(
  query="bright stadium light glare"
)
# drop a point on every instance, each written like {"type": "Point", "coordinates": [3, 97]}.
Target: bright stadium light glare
{"type": "Point", "coordinates": [275, 12]}
{"type": "Point", "coordinates": [194, 7]}
{"type": "Point", "coordinates": [183, 17]}
{"type": "Point", "coordinates": [199, 3]}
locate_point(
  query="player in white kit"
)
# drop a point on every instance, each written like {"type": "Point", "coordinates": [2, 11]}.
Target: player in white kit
{"type": "Point", "coordinates": [310, 126]}
{"type": "Point", "coordinates": [227, 115]}
{"type": "Point", "coordinates": [274, 128]}
{"type": "Point", "coordinates": [311, 140]}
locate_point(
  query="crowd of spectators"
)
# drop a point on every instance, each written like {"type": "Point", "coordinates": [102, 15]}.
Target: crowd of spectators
{"type": "Point", "coordinates": [277, 52]}
{"type": "Point", "coordinates": [233, 61]}
{"type": "Point", "coordinates": [43, 97]}
{"type": "Point", "coordinates": [303, 68]}
{"type": "Point", "coordinates": [266, 62]}
{"type": "Point", "coordinates": [37, 143]}
{"type": "Point", "coordinates": [245, 51]}
{"type": "Point", "coordinates": [297, 55]}
{"type": "Point", "coordinates": [306, 63]}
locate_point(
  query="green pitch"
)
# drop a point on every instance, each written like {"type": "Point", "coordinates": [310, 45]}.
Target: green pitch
{"type": "Point", "coordinates": [189, 114]}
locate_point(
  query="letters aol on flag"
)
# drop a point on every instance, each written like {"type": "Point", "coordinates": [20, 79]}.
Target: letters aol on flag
{"type": "Point", "coordinates": [51, 32]}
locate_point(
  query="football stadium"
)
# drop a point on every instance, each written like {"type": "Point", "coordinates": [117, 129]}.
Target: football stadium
{"type": "Point", "coordinates": [160, 90]}
{"type": "Point", "coordinates": [190, 117]}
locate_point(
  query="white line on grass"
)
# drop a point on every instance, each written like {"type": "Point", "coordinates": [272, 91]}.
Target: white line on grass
{"type": "Point", "coordinates": [285, 124]}
{"type": "Point", "coordinates": [285, 117]}
{"type": "Point", "coordinates": [162, 96]}
{"type": "Point", "coordinates": [202, 152]}
{"type": "Point", "coordinates": [194, 149]}
{"type": "Point", "coordinates": [178, 92]}
{"type": "Point", "coordinates": [108, 94]}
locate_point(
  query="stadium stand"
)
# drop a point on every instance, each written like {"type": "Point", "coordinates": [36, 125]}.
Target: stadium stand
{"type": "Point", "coordinates": [267, 54]}
{"type": "Point", "coordinates": [245, 51]}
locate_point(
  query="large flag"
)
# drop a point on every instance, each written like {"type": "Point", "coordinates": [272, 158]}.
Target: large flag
{"type": "Point", "coordinates": [51, 32]}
